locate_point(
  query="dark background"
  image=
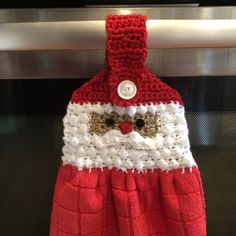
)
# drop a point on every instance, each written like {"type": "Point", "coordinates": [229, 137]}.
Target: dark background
{"type": "Point", "coordinates": [81, 3]}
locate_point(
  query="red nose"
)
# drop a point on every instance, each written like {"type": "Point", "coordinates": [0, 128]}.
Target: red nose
{"type": "Point", "coordinates": [125, 127]}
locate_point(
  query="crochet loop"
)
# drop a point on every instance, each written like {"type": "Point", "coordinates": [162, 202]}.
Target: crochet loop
{"type": "Point", "coordinates": [126, 42]}
{"type": "Point", "coordinates": [125, 52]}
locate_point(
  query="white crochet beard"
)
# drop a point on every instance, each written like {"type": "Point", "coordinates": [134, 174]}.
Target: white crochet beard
{"type": "Point", "coordinates": [168, 150]}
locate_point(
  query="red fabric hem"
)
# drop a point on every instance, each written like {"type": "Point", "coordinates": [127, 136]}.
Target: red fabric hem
{"type": "Point", "coordinates": [112, 202]}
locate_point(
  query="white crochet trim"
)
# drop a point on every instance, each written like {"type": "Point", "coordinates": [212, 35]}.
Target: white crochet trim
{"type": "Point", "coordinates": [77, 109]}
{"type": "Point", "coordinates": [168, 150]}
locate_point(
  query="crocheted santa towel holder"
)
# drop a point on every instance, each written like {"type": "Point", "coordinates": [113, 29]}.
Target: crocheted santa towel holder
{"type": "Point", "coordinates": [127, 168]}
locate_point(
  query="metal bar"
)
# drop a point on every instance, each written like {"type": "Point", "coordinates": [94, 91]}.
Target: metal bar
{"type": "Point", "coordinates": [85, 14]}
{"type": "Point", "coordinates": [86, 63]}
{"type": "Point", "coordinates": [90, 35]}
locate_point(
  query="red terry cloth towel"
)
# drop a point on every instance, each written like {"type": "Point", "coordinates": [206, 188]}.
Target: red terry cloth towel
{"type": "Point", "coordinates": [127, 168]}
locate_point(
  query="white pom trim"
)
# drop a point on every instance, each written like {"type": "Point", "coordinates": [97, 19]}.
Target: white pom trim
{"type": "Point", "coordinates": [76, 108]}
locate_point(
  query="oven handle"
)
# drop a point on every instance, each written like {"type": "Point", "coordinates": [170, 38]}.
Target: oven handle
{"type": "Point", "coordinates": [90, 35]}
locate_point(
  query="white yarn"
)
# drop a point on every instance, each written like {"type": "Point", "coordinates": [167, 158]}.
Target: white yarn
{"type": "Point", "coordinates": [75, 141]}
{"type": "Point", "coordinates": [172, 108]}
{"type": "Point", "coordinates": [108, 162]}
{"type": "Point", "coordinates": [169, 149]}
{"type": "Point", "coordinates": [121, 110]}
{"type": "Point", "coordinates": [77, 109]}
{"type": "Point", "coordinates": [131, 111]}
{"type": "Point", "coordinates": [169, 141]}
{"type": "Point", "coordinates": [142, 109]}
{"type": "Point", "coordinates": [167, 119]}
{"type": "Point", "coordinates": [155, 154]}
{"type": "Point", "coordinates": [139, 165]}
{"type": "Point", "coordinates": [152, 108]}
{"type": "Point", "coordinates": [173, 164]}
{"type": "Point", "coordinates": [128, 164]}
{"type": "Point", "coordinates": [165, 153]}
{"type": "Point", "coordinates": [161, 108]}
{"type": "Point", "coordinates": [167, 129]}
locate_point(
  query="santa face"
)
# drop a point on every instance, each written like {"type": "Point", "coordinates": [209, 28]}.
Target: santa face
{"type": "Point", "coordinates": [134, 137]}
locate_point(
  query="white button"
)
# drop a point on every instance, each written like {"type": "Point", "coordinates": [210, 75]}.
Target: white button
{"type": "Point", "coordinates": [127, 89]}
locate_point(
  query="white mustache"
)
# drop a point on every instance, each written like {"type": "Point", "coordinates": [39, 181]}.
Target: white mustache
{"type": "Point", "coordinates": [115, 138]}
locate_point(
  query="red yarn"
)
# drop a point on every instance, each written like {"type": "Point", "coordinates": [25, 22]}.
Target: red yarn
{"type": "Point", "coordinates": [125, 60]}
{"type": "Point", "coordinates": [126, 43]}
{"type": "Point", "coordinates": [125, 127]}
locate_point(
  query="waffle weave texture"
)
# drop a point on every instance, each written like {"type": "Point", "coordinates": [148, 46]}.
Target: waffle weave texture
{"type": "Point", "coordinates": [127, 168]}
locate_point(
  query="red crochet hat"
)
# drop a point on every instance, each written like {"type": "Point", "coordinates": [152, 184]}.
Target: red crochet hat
{"type": "Point", "coordinates": [127, 168]}
{"type": "Point", "coordinates": [125, 67]}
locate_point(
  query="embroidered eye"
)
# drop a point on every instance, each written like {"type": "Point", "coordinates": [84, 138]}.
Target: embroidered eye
{"type": "Point", "coordinates": [139, 123]}
{"type": "Point", "coordinates": [110, 122]}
